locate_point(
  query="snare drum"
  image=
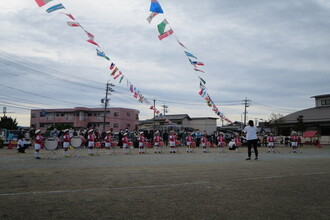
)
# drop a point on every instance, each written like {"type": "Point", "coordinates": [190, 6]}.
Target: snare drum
{"type": "Point", "coordinates": [51, 143]}
{"type": "Point", "coordinates": [76, 141]}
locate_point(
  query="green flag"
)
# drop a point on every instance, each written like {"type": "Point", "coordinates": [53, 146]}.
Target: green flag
{"type": "Point", "coordinates": [161, 26]}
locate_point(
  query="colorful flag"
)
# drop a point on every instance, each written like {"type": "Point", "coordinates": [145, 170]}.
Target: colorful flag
{"type": "Point", "coordinates": [93, 42]}
{"type": "Point", "coordinates": [197, 63]}
{"type": "Point", "coordinates": [155, 7]}
{"type": "Point", "coordinates": [151, 16]}
{"type": "Point", "coordinates": [199, 70]}
{"type": "Point", "coordinates": [42, 2]}
{"type": "Point", "coordinates": [122, 77]}
{"type": "Point", "coordinates": [161, 26]}
{"type": "Point", "coordinates": [90, 36]}
{"type": "Point", "coordinates": [112, 66]}
{"type": "Point", "coordinates": [114, 71]}
{"type": "Point", "coordinates": [73, 24]}
{"type": "Point", "coordinates": [70, 16]}
{"type": "Point", "coordinates": [55, 8]}
{"type": "Point", "coordinates": [190, 55]}
{"type": "Point", "coordinates": [166, 34]}
{"type": "Point", "coordinates": [181, 44]}
{"type": "Point", "coordinates": [100, 53]}
{"type": "Point", "coordinates": [117, 75]}
{"type": "Point", "coordinates": [131, 88]}
{"type": "Point", "coordinates": [202, 80]}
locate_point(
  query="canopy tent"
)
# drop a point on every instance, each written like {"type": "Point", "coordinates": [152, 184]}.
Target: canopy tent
{"type": "Point", "coordinates": [310, 134]}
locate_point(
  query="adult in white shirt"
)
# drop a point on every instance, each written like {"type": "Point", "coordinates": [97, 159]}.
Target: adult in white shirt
{"type": "Point", "coordinates": [252, 139]}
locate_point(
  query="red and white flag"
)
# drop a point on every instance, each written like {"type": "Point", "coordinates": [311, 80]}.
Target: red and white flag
{"type": "Point", "coordinates": [93, 42]}
{"type": "Point", "coordinates": [166, 34]}
{"type": "Point", "coordinates": [151, 16]}
{"type": "Point", "coordinates": [73, 24]}
{"type": "Point", "coordinates": [42, 2]}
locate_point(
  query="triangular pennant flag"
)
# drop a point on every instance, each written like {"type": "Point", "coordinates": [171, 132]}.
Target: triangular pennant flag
{"type": "Point", "coordinates": [161, 26]}
{"type": "Point", "coordinates": [151, 16]}
{"type": "Point", "coordinates": [190, 55]}
{"type": "Point", "coordinates": [199, 70]}
{"type": "Point", "coordinates": [181, 44]}
{"type": "Point", "coordinates": [117, 75]}
{"type": "Point", "coordinates": [100, 53]}
{"type": "Point", "coordinates": [69, 15]}
{"type": "Point", "coordinates": [93, 42]}
{"type": "Point", "coordinates": [90, 36]}
{"type": "Point", "coordinates": [106, 57]}
{"type": "Point", "coordinates": [166, 34]}
{"type": "Point", "coordinates": [73, 24]}
{"type": "Point", "coordinates": [122, 77]}
{"type": "Point", "coordinates": [55, 8]}
{"type": "Point", "coordinates": [155, 7]}
{"type": "Point", "coordinates": [112, 66]}
{"type": "Point", "coordinates": [202, 80]}
{"type": "Point", "coordinates": [42, 2]}
{"type": "Point", "coordinates": [114, 71]}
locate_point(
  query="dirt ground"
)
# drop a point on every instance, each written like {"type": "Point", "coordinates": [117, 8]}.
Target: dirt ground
{"type": "Point", "coordinates": [166, 186]}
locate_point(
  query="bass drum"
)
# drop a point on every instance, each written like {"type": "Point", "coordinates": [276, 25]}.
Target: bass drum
{"type": "Point", "coordinates": [76, 141]}
{"type": "Point", "coordinates": [51, 143]}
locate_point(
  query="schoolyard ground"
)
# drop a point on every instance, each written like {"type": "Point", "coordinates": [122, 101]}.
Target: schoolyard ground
{"type": "Point", "coordinates": [166, 186]}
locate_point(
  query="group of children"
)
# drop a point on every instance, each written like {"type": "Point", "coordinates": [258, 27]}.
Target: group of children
{"type": "Point", "coordinates": [157, 143]}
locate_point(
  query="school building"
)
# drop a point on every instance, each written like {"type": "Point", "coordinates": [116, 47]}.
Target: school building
{"type": "Point", "coordinates": [81, 118]}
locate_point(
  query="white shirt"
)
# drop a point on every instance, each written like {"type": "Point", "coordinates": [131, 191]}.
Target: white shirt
{"type": "Point", "coordinates": [251, 132]}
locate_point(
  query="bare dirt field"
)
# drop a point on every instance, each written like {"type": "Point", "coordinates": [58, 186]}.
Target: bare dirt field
{"type": "Point", "coordinates": [167, 186]}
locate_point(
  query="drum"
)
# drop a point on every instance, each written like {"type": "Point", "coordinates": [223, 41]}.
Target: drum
{"type": "Point", "coordinates": [76, 141]}
{"type": "Point", "coordinates": [51, 143]}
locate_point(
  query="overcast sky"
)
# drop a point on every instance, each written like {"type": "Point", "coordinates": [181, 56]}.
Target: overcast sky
{"type": "Point", "coordinates": [275, 53]}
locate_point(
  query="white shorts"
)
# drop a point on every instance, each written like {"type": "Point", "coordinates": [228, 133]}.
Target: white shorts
{"type": "Point", "coordinates": [188, 143]}
{"type": "Point", "coordinates": [141, 144]}
{"type": "Point", "coordinates": [294, 144]}
{"type": "Point", "coordinates": [172, 143]}
{"type": "Point", "coordinates": [37, 146]}
{"type": "Point", "coordinates": [156, 144]}
{"type": "Point", "coordinates": [107, 144]}
{"type": "Point", "coordinates": [125, 145]}
{"type": "Point", "coordinates": [203, 144]}
{"type": "Point", "coordinates": [90, 143]}
{"type": "Point", "coordinates": [271, 144]}
{"type": "Point", "coordinates": [66, 144]}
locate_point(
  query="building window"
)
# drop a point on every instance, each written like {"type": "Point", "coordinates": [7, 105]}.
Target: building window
{"type": "Point", "coordinates": [33, 115]}
{"type": "Point", "coordinates": [95, 114]}
{"type": "Point", "coordinates": [116, 114]}
{"type": "Point", "coordinates": [89, 114]}
{"type": "Point", "coordinates": [128, 125]}
{"type": "Point", "coordinates": [325, 102]}
{"type": "Point", "coordinates": [136, 117]}
{"type": "Point", "coordinates": [128, 114]}
{"type": "Point", "coordinates": [115, 125]}
{"type": "Point", "coordinates": [57, 115]}
{"type": "Point", "coordinates": [62, 114]}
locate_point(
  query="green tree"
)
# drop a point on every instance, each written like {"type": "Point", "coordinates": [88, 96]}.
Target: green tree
{"type": "Point", "coordinates": [300, 125]}
{"type": "Point", "coordinates": [8, 123]}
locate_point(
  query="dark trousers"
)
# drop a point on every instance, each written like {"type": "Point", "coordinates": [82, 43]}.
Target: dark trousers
{"type": "Point", "coordinates": [253, 143]}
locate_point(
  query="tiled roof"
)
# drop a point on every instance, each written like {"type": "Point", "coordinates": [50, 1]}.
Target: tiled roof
{"type": "Point", "coordinates": [318, 114]}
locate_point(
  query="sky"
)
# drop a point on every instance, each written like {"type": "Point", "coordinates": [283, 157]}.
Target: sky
{"type": "Point", "coordinates": [274, 53]}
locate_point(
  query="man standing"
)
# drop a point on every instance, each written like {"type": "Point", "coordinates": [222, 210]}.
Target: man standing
{"type": "Point", "coordinates": [252, 139]}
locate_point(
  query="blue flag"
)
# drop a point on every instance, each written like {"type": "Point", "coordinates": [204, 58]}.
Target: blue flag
{"type": "Point", "coordinates": [190, 55]}
{"type": "Point", "coordinates": [55, 8]}
{"type": "Point", "coordinates": [155, 7]}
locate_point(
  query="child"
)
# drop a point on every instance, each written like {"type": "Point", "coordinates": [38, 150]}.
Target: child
{"type": "Point", "coordinates": [91, 141]}
{"type": "Point", "coordinates": [142, 139]}
{"type": "Point", "coordinates": [221, 142]}
{"type": "Point", "coordinates": [189, 140]}
{"type": "Point", "coordinates": [157, 140]}
{"type": "Point", "coordinates": [38, 140]}
{"type": "Point", "coordinates": [271, 143]}
{"type": "Point", "coordinates": [107, 141]}
{"type": "Point", "coordinates": [204, 140]}
{"type": "Point", "coordinates": [66, 142]}
{"type": "Point", "coordinates": [172, 139]}
{"type": "Point", "coordinates": [125, 144]}
{"type": "Point", "coordinates": [294, 142]}
{"type": "Point", "coordinates": [237, 141]}
{"type": "Point", "coordinates": [21, 145]}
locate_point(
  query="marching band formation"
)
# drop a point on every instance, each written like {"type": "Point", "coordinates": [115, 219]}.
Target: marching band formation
{"type": "Point", "coordinates": [158, 142]}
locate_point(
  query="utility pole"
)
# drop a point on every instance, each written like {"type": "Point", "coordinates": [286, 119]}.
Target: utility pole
{"type": "Point", "coordinates": [165, 107]}
{"type": "Point", "coordinates": [108, 91]}
{"type": "Point", "coordinates": [246, 104]}
{"type": "Point", "coordinates": [154, 115]}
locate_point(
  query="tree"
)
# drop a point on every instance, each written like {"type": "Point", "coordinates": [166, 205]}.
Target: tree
{"type": "Point", "coordinates": [300, 125]}
{"type": "Point", "coordinates": [8, 123]}
{"type": "Point", "coordinates": [275, 122]}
